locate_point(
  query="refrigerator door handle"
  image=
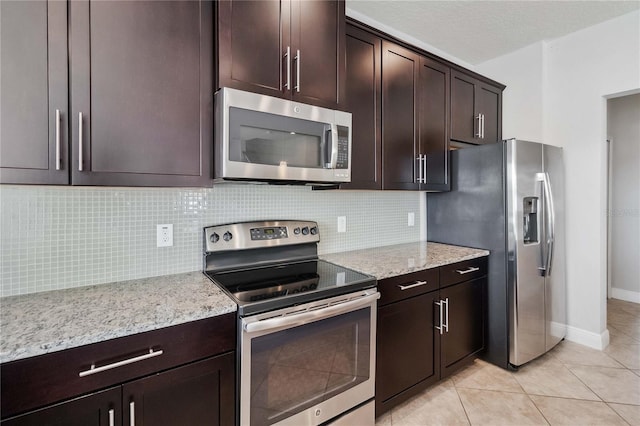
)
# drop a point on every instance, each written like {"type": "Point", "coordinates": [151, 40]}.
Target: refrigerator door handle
{"type": "Point", "coordinates": [550, 219]}
{"type": "Point", "coordinates": [540, 177]}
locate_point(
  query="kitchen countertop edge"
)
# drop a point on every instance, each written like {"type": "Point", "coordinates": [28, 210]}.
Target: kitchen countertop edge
{"type": "Point", "coordinates": [40, 323]}
{"type": "Point", "coordinates": [395, 260]}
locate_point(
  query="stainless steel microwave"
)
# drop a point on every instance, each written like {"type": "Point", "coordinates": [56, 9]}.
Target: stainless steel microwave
{"type": "Point", "coordinates": [262, 138]}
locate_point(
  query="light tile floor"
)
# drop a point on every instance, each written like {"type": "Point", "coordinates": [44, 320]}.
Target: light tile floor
{"type": "Point", "coordinates": [570, 385]}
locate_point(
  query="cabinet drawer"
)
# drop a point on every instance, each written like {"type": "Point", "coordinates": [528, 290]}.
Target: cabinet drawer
{"type": "Point", "coordinates": [463, 271]}
{"type": "Point", "coordinates": [34, 382]}
{"type": "Point", "coordinates": [404, 286]}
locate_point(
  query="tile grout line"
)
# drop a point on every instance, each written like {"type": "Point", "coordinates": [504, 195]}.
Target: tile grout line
{"type": "Point", "coordinates": [460, 399]}
{"type": "Point", "coordinates": [618, 414]}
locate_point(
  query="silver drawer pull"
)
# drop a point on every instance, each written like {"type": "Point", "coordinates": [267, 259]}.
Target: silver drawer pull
{"type": "Point", "coordinates": [468, 270]}
{"type": "Point", "coordinates": [112, 417]}
{"type": "Point", "coordinates": [94, 369]}
{"type": "Point", "coordinates": [414, 285]}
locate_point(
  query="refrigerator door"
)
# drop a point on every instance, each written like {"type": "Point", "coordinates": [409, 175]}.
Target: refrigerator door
{"type": "Point", "coordinates": [555, 286]}
{"type": "Point", "coordinates": [525, 224]}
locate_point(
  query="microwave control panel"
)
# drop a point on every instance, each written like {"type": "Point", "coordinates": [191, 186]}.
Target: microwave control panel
{"type": "Point", "coordinates": [343, 148]}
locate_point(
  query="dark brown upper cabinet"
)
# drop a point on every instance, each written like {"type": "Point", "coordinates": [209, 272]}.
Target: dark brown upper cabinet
{"type": "Point", "coordinates": [400, 105]}
{"type": "Point", "coordinates": [400, 162]}
{"type": "Point", "coordinates": [415, 102]}
{"type": "Point", "coordinates": [137, 110]}
{"type": "Point", "coordinates": [476, 110]}
{"type": "Point", "coordinates": [141, 93]}
{"type": "Point", "coordinates": [364, 101]}
{"type": "Point", "coordinates": [292, 49]}
{"type": "Point", "coordinates": [34, 112]}
{"type": "Point", "coordinates": [434, 124]}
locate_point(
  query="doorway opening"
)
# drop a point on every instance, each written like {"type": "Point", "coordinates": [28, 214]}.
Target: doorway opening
{"type": "Point", "coordinates": [623, 216]}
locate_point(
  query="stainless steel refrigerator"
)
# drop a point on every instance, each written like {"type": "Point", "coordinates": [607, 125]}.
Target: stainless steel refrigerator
{"type": "Point", "coordinates": [508, 197]}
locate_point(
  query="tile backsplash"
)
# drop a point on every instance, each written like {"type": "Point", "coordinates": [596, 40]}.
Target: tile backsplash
{"type": "Point", "coordinates": [60, 237]}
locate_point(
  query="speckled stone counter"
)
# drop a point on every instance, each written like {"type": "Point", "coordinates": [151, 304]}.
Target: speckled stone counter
{"type": "Point", "coordinates": [391, 261]}
{"type": "Point", "coordinates": [39, 323]}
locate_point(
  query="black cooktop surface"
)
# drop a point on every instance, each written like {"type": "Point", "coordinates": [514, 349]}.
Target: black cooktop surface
{"type": "Point", "coordinates": [271, 287]}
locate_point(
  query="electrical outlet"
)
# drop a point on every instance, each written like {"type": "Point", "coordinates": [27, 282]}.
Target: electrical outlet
{"type": "Point", "coordinates": [411, 219]}
{"type": "Point", "coordinates": [164, 235]}
{"type": "Point", "coordinates": [342, 224]}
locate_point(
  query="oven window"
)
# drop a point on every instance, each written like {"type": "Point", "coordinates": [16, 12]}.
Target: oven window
{"type": "Point", "coordinates": [274, 140]}
{"type": "Point", "coordinates": [297, 368]}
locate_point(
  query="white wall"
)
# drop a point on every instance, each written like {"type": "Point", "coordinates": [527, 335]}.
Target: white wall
{"type": "Point", "coordinates": [575, 74]}
{"type": "Point", "coordinates": [623, 128]}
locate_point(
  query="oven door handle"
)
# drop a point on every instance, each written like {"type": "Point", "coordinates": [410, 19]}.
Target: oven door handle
{"type": "Point", "coordinates": [305, 317]}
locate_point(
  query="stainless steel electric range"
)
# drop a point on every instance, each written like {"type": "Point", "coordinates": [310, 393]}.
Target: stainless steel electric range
{"type": "Point", "coordinates": [306, 327]}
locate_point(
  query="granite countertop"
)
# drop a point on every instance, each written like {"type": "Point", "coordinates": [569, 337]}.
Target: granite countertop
{"type": "Point", "coordinates": [40, 323]}
{"type": "Point", "coordinates": [389, 261]}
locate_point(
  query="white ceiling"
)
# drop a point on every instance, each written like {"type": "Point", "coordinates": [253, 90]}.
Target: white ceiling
{"type": "Point", "coordinates": [476, 31]}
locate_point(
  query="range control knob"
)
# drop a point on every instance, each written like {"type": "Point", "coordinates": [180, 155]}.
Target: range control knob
{"type": "Point", "coordinates": [305, 231]}
{"type": "Point", "coordinates": [314, 230]}
{"type": "Point", "coordinates": [227, 236]}
{"type": "Point", "coordinates": [214, 238]}
{"type": "Point", "coordinates": [296, 231]}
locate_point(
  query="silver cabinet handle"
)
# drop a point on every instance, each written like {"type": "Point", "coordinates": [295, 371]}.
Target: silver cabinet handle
{"type": "Point", "coordinates": [287, 55]}
{"type": "Point", "coordinates": [112, 420]}
{"type": "Point", "coordinates": [94, 369]}
{"type": "Point", "coordinates": [297, 59]}
{"type": "Point", "coordinates": [440, 308]}
{"type": "Point", "coordinates": [80, 141]}
{"type": "Point", "coordinates": [478, 134]}
{"type": "Point", "coordinates": [424, 172]}
{"type": "Point", "coordinates": [446, 315]}
{"type": "Point", "coordinates": [420, 169]}
{"type": "Point", "coordinates": [132, 413]}
{"type": "Point", "coordinates": [482, 128]}
{"type": "Point", "coordinates": [58, 165]}
{"type": "Point", "coordinates": [414, 285]}
{"type": "Point", "coordinates": [468, 270]}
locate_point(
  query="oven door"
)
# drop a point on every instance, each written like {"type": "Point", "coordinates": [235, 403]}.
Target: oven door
{"type": "Point", "coordinates": [307, 364]}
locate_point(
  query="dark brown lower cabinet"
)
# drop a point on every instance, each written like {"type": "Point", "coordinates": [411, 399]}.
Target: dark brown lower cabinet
{"type": "Point", "coordinates": [196, 394]}
{"type": "Point", "coordinates": [430, 324]}
{"type": "Point", "coordinates": [465, 335]}
{"type": "Point", "coordinates": [95, 409]}
{"type": "Point", "coordinates": [189, 379]}
{"type": "Point", "coordinates": [407, 349]}
{"type": "Point", "coordinates": [201, 393]}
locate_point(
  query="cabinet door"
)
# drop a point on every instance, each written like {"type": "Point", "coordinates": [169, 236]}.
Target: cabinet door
{"type": "Point", "coordinates": [490, 105]}
{"type": "Point", "coordinates": [399, 117]}
{"type": "Point", "coordinates": [141, 79]}
{"type": "Point", "coordinates": [202, 393]}
{"type": "Point", "coordinates": [33, 80]}
{"type": "Point", "coordinates": [465, 335]}
{"type": "Point", "coordinates": [434, 123]}
{"type": "Point", "coordinates": [464, 124]}
{"type": "Point", "coordinates": [318, 56]}
{"type": "Point", "coordinates": [97, 409]}
{"type": "Point", "coordinates": [406, 349]}
{"type": "Point", "coordinates": [363, 100]}
{"type": "Point", "coordinates": [252, 42]}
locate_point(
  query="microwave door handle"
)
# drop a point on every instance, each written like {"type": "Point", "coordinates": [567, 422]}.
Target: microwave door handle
{"type": "Point", "coordinates": [334, 147]}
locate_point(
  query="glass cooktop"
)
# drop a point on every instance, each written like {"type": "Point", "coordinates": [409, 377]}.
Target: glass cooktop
{"type": "Point", "coordinates": [271, 287]}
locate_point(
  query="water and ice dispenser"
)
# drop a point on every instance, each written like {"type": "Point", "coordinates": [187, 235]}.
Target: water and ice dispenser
{"type": "Point", "coordinates": [530, 219]}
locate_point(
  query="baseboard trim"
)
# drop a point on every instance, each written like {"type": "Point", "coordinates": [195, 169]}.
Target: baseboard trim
{"type": "Point", "coordinates": [587, 338]}
{"type": "Point", "coordinates": [626, 295]}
